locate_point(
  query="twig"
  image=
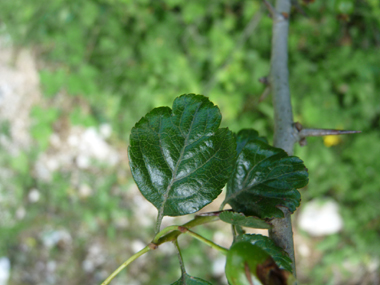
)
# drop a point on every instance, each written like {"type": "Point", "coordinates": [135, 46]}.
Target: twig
{"type": "Point", "coordinates": [270, 8]}
{"type": "Point", "coordinates": [170, 233]}
{"type": "Point", "coordinates": [180, 259]}
{"type": "Point", "coordinates": [284, 131]}
{"type": "Point", "coordinates": [203, 239]}
{"type": "Point", "coordinates": [125, 264]}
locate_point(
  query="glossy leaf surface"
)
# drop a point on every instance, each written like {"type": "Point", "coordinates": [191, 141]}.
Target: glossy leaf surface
{"type": "Point", "coordinates": [278, 254]}
{"type": "Point", "coordinates": [180, 158]}
{"type": "Point", "coordinates": [264, 178]}
{"type": "Point", "coordinates": [189, 280]}
{"type": "Point", "coordinates": [239, 219]}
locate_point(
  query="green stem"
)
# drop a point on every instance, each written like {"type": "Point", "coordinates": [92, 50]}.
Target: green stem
{"type": "Point", "coordinates": [167, 234]}
{"type": "Point", "coordinates": [180, 258]}
{"type": "Point", "coordinates": [158, 222]}
{"type": "Point", "coordinates": [163, 232]}
{"type": "Point", "coordinates": [205, 240]}
{"type": "Point", "coordinates": [198, 220]}
{"type": "Point", "coordinates": [125, 264]}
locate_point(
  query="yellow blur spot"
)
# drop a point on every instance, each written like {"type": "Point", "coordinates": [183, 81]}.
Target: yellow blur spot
{"type": "Point", "coordinates": [331, 140]}
{"type": "Point", "coordinates": [31, 242]}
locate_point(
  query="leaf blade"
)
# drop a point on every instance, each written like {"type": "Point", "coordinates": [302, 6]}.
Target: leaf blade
{"type": "Point", "coordinates": [264, 178]}
{"type": "Point", "coordinates": [179, 158]}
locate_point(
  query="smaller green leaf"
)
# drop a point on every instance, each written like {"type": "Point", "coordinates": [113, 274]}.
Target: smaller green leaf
{"type": "Point", "coordinates": [278, 254]}
{"type": "Point", "coordinates": [239, 219]}
{"type": "Point", "coordinates": [189, 280]}
{"type": "Point", "coordinates": [264, 178]}
{"type": "Point", "coordinates": [249, 264]}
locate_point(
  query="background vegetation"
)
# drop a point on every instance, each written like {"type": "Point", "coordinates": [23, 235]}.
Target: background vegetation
{"type": "Point", "coordinates": [105, 63]}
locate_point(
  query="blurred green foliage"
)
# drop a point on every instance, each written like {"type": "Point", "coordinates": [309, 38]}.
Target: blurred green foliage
{"type": "Point", "coordinates": [121, 58]}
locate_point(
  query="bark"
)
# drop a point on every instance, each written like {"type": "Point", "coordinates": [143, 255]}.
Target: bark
{"type": "Point", "coordinates": [285, 134]}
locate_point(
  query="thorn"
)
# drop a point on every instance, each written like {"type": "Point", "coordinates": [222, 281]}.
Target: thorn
{"type": "Point", "coordinates": [324, 132]}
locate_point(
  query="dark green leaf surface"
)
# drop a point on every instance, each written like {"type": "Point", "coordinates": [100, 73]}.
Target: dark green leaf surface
{"type": "Point", "coordinates": [264, 178]}
{"type": "Point", "coordinates": [279, 256]}
{"type": "Point", "coordinates": [245, 136]}
{"type": "Point", "coordinates": [179, 158]}
{"type": "Point", "coordinates": [239, 219]}
{"type": "Point", "coordinates": [189, 280]}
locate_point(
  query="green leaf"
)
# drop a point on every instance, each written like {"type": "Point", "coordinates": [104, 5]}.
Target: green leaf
{"type": "Point", "coordinates": [189, 280]}
{"type": "Point", "coordinates": [264, 178]}
{"type": "Point", "coordinates": [240, 256]}
{"type": "Point", "coordinates": [245, 136]}
{"type": "Point", "coordinates": [278, 254]}
{"type": "Point", "coordinates": [239, 219]}
{"type": "Point", "coordinates": [249, 264]}
{"type": "Point", "coordinates": [179, 158]}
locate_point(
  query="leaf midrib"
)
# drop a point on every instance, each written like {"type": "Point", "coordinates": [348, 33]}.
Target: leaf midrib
{"type": "Point", "coordinates": [174, 172]}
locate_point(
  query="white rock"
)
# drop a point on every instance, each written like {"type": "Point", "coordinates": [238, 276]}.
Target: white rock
{"type": "Point", "coordinates": [85, 190]}
{"type": "Point", "coordinates": [51, 265]}
{"type": "Point", "coordinates": [20, 213]}
{"type": "Point", "coordinates": [105, 130]}
{"type": "Point", "coordinates": [320, 217]}
{"type": "Point", "coordinates": [5, 270]}
{"type": "Point", "coordinates": [53, 237]}
{"type": "Point", "coordinates": [34, 195]}
{"type": "Point", "coordinates": [55, 140]}
{"type": "Point", "coordinates": [83, 161]}
{"type": "Point", "coordinates": [95, 257]}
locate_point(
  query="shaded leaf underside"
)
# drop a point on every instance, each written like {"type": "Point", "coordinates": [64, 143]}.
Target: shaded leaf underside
{"type": "Point", "coordinates": [279, 255]}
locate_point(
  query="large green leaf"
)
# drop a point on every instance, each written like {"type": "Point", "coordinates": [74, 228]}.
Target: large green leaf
{"type": "Point", "coordinates": [189, 280]}
{"type": "Point", "coordinates": [179, 158]}
{"type": "Point", "coordinates": [264, 178]}
{"type": "Point", "coordinates": [278, 254]}
{"type": "Point", "coordinates": [239, 219]}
